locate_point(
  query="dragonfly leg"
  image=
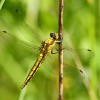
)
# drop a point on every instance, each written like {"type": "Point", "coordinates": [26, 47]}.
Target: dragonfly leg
{"type": "Point", "coordinates": [58, 41]}
{"type": "Point", "coordinates": [56, 52]}
{"type": "Point", "coordinates": [58, 49]}
{"type": "Point", "coordinates": [53, 52]}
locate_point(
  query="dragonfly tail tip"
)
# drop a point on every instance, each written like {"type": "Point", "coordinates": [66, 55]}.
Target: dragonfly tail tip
{"type": "Point", "coordinates": [22, 86]}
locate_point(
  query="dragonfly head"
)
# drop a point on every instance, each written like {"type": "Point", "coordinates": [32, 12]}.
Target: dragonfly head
{"type": "Point", "coordinates": [53, 35]}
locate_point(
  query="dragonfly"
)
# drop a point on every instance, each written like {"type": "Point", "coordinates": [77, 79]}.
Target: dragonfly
{"type": "Point", "coordinates": [46, 48]}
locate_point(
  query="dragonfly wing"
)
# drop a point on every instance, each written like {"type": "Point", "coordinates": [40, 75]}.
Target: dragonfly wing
{"type": "Point", "coordinates": [14, 44]}
{"type": "Point", "coordinates": [31, 33]}
{"type": "Point", "coordinates": [19, 27]}
{"type": "Point", "coordinates": [78, 58]}
{"type": "Point", "coordinates": [51, 64]}
{"type": "Point", "coordinates": [73, 55]}
{"type": "Point", "coordinates": [73, 72]}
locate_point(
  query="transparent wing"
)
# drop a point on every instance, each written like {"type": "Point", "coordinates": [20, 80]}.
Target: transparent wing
{"type": "Point", "coordinates": [70, 67]}
{"type": "Point", "coordinates": [73, 55]}
{"type": "Point", "coordinates": [50, 68]}
{"type": "Point", "coordinates": [16, 24]}
{"type": "Point", "coordinates": [5, 34]}
{"type": "Point", "coordinates": [14, 45]}
{"type": "Point", "coordinates": [27, 27]}
{"type": "Point", "coordinates": [78, 59]}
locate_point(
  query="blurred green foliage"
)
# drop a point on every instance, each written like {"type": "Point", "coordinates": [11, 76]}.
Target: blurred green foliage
{"type": "Point", "coordinates": [81, 23]}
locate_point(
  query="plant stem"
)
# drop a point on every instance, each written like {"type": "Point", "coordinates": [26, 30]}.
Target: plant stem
{"type": "Point", "coordinates": [60, 50]}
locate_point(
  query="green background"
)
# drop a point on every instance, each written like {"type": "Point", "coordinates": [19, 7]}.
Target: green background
{"type": "Point", "coordinates": [81, 23]}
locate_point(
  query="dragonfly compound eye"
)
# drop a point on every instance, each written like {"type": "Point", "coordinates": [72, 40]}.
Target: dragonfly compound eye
{"type": "Point", "coordinates": [53, 35]}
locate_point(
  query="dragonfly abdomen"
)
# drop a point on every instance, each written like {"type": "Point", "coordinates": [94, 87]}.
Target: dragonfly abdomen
{"type": "Point", "coordinates": [34, 69]}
